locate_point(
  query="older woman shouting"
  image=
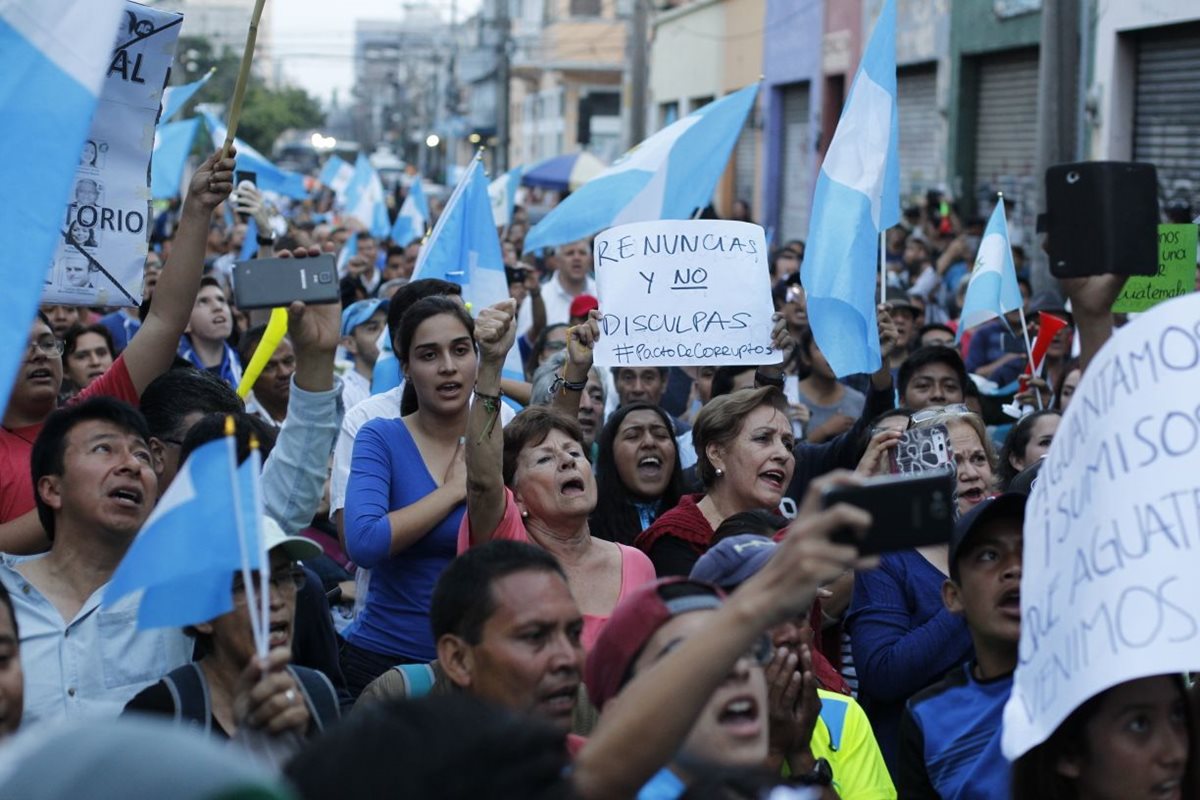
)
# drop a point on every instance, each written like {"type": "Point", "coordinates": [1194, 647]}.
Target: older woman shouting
{"type": "Point", "coordinates": [744, 445]}
{"type": "Point", "coordinates": [536, 483]}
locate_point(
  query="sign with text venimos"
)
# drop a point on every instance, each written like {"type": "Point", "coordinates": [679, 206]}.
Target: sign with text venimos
{"type": "Point", "coordinates": [1112, 529]}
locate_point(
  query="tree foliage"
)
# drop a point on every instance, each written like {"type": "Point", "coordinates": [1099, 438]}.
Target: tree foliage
{"type": "Point", "coordinates": [266, 112]}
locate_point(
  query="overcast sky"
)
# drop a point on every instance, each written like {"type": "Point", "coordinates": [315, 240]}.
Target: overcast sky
{"type": "Point", "coordinates": [314, 39]}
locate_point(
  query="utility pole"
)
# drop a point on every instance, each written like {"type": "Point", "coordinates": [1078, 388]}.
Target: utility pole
{"type": "Point", "coordinates": [503, 89]}
{"type": "Point", "coordinates": [1060, 83]}
{"type": "Point", "coordinates": [636, 72]}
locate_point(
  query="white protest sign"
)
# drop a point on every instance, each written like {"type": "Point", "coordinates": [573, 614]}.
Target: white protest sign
{"type": "Point", "coordinates": [685, 293]}
{"type": "Point", "coordinates": [106, 224]}
{"type": "Point", "coordinates": [1109, 588]}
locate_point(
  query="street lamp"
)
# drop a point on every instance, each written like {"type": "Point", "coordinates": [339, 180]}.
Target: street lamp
{"type": "Point", "coordinates": [432, 140]}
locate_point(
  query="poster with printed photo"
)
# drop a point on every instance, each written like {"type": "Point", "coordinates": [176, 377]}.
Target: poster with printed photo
{"type": "Point", "coordinates": [107, 220]}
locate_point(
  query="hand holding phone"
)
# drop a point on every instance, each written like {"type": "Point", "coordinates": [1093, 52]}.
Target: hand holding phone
{"type": "Point", "coordinates": [907, 511]}
{"type": "Point", "coordinates": [275, 282]}
{"type": "Point", "coordinates": [923, 450]}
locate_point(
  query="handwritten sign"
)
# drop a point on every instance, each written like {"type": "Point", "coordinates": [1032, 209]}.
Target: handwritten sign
{"type": "Point", "coordinates": [683, 292]}
{"type": "Point", "coordinates": [106, 224]}
{"type": "Point", "coordinates": [1176, 271]}
{"type": "Point", "coordinates": [1112, 530]}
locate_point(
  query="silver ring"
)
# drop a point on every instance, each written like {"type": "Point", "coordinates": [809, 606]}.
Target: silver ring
{"type": "Point", "coordinates": [290, 694]}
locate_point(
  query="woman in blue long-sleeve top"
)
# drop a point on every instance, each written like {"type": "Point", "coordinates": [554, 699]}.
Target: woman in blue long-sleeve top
{"type": "Point", "coordinates": [901, 634]}
{"type": "Point", "coordinates": [407, 492]}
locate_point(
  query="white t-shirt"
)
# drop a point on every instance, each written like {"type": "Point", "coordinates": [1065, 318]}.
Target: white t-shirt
{"type": "Point", "coordinates": [557, 302]}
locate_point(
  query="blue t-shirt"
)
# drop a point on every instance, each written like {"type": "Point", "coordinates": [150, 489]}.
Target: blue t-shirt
{"type": "Point", "coordinates": [903, 639]}
{"type": "Point", "coordinates": [387, 473]}
{"type": "Point", "coordinates": [663, 786]}
{"type": "Point", "coordinates": [950, 740]}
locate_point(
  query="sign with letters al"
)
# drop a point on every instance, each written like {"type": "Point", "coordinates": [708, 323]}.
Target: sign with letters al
{"type": "Point", "coordinates": [1109, 589]}
{"type": "Point", "coordinates": [683, 292]}
{"type": "Point", "coordinates": [106, 222]}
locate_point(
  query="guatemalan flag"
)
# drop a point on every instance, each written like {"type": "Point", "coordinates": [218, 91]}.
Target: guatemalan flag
{"type": "Point", "coordinates": [364, 198]}
{"type": "Point", "coordinates": [857, 198]}
{"type": "Point", "coordinates": [172, 144]}
{"type": "Point", "coordinates": [185, 556]}
{"type": "Point", "coordinates": [56, 53]}
{"type": "Point", "coordinates": [992, 290]}
{"type": "Point", "coordinates": [176, 97]}
{"type": "Point", "coordinates": [668, 176]}
{"type": "Point", "coordinates": [464, 248]}
{"type": "Point", "coordinates": [413, 219]}
{"type": "Point", "coordinates": [503, 193]}
{"type": "Point", "coordinates": [337, 174]}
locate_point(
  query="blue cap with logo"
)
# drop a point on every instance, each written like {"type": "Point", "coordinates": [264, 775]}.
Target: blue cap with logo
{"type": "Point", "coordinates": [359, 312]}
{"type": "Point", "coordinates": [732, 561]}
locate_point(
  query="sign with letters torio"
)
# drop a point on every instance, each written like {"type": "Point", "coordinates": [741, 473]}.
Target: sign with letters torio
{"type": "Point", "coordinates": [683, 292]}
{"type": "Point", "coordinates": [1112, 529]}
{"type": "Point", "coordinates": [106, 222]}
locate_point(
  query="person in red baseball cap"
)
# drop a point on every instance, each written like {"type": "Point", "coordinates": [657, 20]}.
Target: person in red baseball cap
{"type": "Point", "coordinates": [580, 306]}
{"type": "Point", "coordinates": [719, 691]}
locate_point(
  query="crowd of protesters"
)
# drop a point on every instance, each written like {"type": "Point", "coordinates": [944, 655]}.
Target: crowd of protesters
{"type": "Point", "coordinates": [593, 583]}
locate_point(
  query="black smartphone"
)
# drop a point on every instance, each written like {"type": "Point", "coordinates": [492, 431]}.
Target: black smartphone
{"type": "Point", "coordinates": [239, 176]}
{"type": "Point", "coordinates": [907, 511]}
{"type": "Point", "coordinates": [1102, 219]}
{"type": "Point", "coordinates": [274, 282]}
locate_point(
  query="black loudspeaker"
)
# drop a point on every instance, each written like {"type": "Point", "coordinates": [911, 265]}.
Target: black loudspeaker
{"type": "Point", "coordinates": [1102, 217]}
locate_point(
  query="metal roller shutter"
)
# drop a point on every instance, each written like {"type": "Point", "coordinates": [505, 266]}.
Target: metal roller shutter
{"type": "Point", "coordinates": [1006, 138]}
{"type": "Point", "coordinates": [921, 165]}
{"type": "Point", "coordinates": [1166, 117]}
{"type": "Point", "coordinates": [795, 188]}
{"type": "Point", "coordinates": [745, 157]}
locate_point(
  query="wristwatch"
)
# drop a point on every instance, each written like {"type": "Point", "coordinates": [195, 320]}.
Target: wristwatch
{"type": "Point", "coordinates": [763, 379]}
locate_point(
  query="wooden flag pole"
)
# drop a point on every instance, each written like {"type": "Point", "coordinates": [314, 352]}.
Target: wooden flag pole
{"type": "Point", "coordinates": [239, 88]}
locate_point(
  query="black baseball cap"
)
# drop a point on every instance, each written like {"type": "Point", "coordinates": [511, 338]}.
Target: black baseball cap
{"type": "Point", "coordinates": [1007, 505]}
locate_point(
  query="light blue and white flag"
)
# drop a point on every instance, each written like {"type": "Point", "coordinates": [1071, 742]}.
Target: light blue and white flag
{"type": "Point", "coordinates": [503, 193]}
{"type": "Point", "coordinates": [348, 251]}
{"type": "Point", "coordinates": [191, 541]}
{"type": "Point", "coordinates": [857, 197]}
{"type": "Point", "coordinates": [337, 174]}
{"type": "Point", "coordinates": [172, 144]}
{"type": "Point", "coordinates": [270, 177]}
{"type": "Point", "coordinates": [176, 97]}
{"type": "Point", "coordinates": [464, 248]}
{"type": "Point", "coordinates": [365, 200]}
{"type": "Point", "coordinates": [992, 290]}
{"type": "Point", "coordinates": [668, 176]}
{"type": "Point", "coordinates": [55, 56]}
{"type": "Point", "coordinates": [413, 220]}
{"type": "Point", "coordinates": [249, 241]}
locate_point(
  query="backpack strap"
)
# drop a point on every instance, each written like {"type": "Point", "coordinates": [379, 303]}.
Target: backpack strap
{"type": "Point", "coordinates": [319, 695]}
{"type": "Point", "coordinates": [418, 679]}
{"type": "Point", "coordinates": [189, 691]}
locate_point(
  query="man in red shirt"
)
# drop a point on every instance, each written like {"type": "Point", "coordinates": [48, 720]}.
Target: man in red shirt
{"type": "Point", "coordinates": [148, 355]}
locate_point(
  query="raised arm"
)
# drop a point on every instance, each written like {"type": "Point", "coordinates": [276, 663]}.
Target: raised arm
{"type": "Point", "coordinates": [152, 349]}
{"type": "Point", "coordinates": [294, 475]}
{"type": "Point", "coordinates": [1092, 300]}
{"type": "Point", "coordinates": [495, 332]}
{"type": "Point", "coordinates": [581, 342]}
{"type": "Point", "coordinates": [644, 727]}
